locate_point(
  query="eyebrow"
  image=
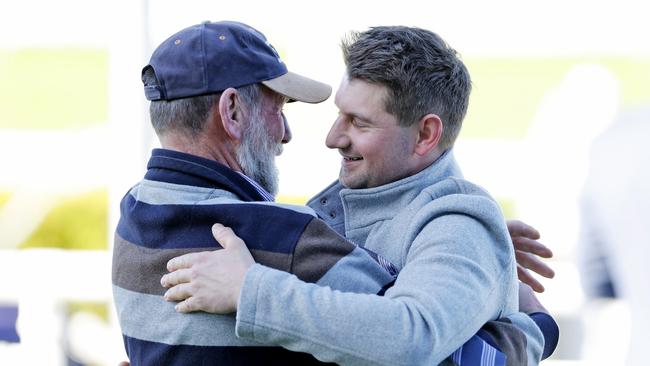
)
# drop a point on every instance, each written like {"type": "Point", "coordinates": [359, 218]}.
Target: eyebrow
{"type": "Point", "coordinates": [361, 117]}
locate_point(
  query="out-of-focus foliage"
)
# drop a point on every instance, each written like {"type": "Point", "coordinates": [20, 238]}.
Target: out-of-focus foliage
{"type": "Point", "coordinates": [507, 91]}
{"type": "Point", "coordinates": [78, 222]}
{"type": "Point", "coordinates": [101, 309]}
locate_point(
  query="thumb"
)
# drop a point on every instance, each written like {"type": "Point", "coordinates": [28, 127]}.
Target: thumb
{"type": "Point", "coordinates": [226, 237]}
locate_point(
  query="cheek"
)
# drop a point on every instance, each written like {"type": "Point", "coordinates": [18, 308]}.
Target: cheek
{"type": "Point", "coordinates": [279, 129]}
{"type": "Point", "coordinates": [373, 153]}
{"type": "Point", "coordinates": [391, 155]}
{"type": "Point", "coordinates": [275, 126]}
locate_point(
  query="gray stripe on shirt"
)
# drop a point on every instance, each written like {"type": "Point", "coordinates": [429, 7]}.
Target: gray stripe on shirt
{"type": "Point", "coordinates": [357, 272]}
{"type": "Point", "coordinates": [151, 318]}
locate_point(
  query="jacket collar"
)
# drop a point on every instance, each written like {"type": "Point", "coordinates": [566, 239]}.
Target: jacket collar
{"type": "Point", "coordinates": [361, 206]}
{"type": "Point", "coordinates": [181, 168]}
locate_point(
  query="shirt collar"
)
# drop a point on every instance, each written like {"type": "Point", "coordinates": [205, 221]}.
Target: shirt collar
{"type": "Point", "coordinates": [263, 192]}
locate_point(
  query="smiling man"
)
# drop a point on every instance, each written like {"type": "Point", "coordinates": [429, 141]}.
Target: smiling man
{"type": "Point", "coordinates": [400, 194]}
{"type": "Point", "coordinates": [374, 148]}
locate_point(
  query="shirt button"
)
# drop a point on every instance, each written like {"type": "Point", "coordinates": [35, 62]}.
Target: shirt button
{"type": "Point", "coordinates": [323, 201]}
{"type": "Point", "coordinates": [332, 214]}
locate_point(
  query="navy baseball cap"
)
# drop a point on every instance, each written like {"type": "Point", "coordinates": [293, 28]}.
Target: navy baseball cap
{"type": "Point", "coordinates": [211, 57]}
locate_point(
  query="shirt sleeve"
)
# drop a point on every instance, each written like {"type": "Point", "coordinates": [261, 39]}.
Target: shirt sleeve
{"type": "Point", "coordinates": [519, 337]}
{"type": "Point", "coordinates": [550, 330]}
{"type": "Point", "coordinates": [452, 283]}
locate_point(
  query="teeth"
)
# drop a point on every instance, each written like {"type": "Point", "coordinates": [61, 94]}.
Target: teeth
{"type": "Point", "coordinates": [353, 159]}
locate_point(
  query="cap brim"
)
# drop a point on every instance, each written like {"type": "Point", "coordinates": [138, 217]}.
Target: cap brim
{"type": "Point", "coordinates": [298, 87]}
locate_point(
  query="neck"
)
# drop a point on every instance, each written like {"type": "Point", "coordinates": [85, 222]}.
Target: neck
{"type": "Point", "coordinates": [202, 146]}
{"type": "Point", "coordinates": [427, 160]}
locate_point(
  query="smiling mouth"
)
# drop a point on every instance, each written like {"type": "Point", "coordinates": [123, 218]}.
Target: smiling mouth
{"type": "Point", "coordinates": [351, 158]}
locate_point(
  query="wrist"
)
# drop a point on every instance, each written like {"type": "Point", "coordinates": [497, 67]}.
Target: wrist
{"type": "Point", "coordinates": [239, 288]}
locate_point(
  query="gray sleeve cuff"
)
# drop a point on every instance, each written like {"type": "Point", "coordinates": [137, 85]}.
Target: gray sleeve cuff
{"type": "Point", "coordinates": [245, 324]}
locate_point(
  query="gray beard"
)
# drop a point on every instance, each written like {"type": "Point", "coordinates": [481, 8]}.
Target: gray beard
{"type": "Point", "coordinates": [256, 155]}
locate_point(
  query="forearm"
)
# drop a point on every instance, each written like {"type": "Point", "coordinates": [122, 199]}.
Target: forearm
{"type": "Point", "coordinates": [519, 337]}
{"type": "Point", "coordinates": [347, 328]}
{"type": "Point", "coordinates": [322, 322]}
{"type": "Point", "coordinates": [452, 282]}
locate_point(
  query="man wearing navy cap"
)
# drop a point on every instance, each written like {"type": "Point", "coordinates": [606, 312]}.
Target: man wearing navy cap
{"type": "Point", "coordinates": [217, 91]}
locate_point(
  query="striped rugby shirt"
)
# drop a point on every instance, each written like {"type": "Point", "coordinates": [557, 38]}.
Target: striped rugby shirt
{"type": "Point", "coordinates": [171, 212]}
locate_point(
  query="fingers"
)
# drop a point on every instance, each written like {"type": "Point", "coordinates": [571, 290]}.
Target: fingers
{"type": "Point", "coordinates": [175, 278]}
{"type": "Point", "coordinates": [529, 280]}
{"type": "Point", "coordinates": [226, 237]}
{"type": "Point", "coordinates": [531, 262]}
{"type": "Point", "coordinates": [531, 246]}
{"type": "Point", "coordinates": [183, 261]}
{"type": "Point", "coordinates": [185, 306]}
{"type": "Point", "coordinates": [520, 228]}
{"type": "Point", "coordinates": [179, 292]}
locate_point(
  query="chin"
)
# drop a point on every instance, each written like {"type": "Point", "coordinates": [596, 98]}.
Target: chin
{"type": "Point", "coordinates": [351, 184]}
{"type": "Point", "coordinates": [344, 182]}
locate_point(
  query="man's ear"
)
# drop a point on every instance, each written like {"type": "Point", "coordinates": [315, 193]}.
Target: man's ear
{"type": "Point", "coordinates": [429, 133]}
{"type": "Point", "coordinates": [229, 109]}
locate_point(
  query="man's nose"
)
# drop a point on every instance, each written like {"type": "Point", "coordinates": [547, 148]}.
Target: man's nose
{"type": "Point", "coordinates": [287, 131]}
{"type": "Point", "coordinates": [337, 138]}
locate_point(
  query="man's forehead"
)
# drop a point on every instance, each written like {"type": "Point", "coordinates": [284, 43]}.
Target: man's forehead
{"type": "Point", "coordinates": [274, 96]}
{"type": "Point", "coordinates": [361, 98]}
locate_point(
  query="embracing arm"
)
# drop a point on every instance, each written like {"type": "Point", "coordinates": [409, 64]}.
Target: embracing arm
{"type": "Point", "coordinates": [530, 305]}
{"type": "Point", "coordinates": [532, 333]}
{"type": "Point", "coordinates": [509, 339]}
{"type": "Point", "coordinates": [526, 337]}
{"type": "Point", "coordinates": [211, 281]}
{"type": "Point", "coordinates": [414, 323]}
{"type": "Point", "coordinates": [203, 270]}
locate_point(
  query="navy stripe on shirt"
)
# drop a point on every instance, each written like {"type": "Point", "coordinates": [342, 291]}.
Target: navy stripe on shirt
{"type": "Point", "coordinates": [152, 353]}
{"type": "Point", "coordinates": [262, 227]}
{"type": "Point", "coordinates": [180, 168]}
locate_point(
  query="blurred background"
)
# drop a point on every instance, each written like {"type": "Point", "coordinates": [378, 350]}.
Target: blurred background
{"type": "Point", "coordinates": [549, 78]}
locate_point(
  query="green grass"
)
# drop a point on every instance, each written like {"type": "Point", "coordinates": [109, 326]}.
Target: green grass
{"type": "Point", "coordinates": [507, 92]}
{"type": "Point", "coordinates": [635, 79]}
{"type": "Point", "coordinates": [77, 222]}
{"type": "Point", "coordinates": [53, 88]}
{"type": "Point", "coordinates": [101, 309]}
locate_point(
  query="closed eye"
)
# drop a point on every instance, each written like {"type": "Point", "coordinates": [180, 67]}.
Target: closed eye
{"type": "Point", "coordinates": [359, 123]}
